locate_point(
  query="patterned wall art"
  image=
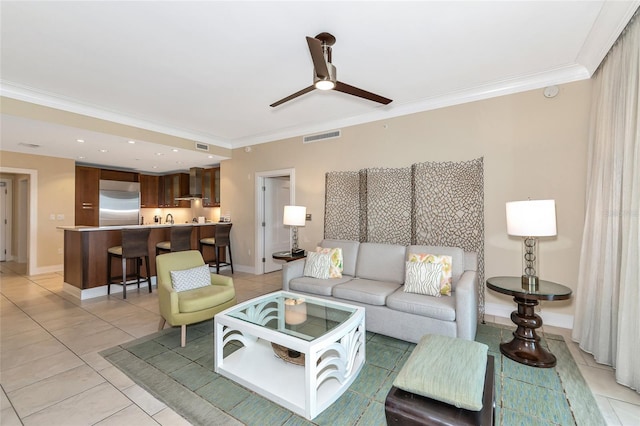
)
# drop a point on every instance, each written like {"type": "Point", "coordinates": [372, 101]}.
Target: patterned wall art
{"type": "Point", "coordinates": [342, 213]}
{"type": "Point", "coordinates": [432, 203]}
{"type": "Point", "coordinates": [389, 206]}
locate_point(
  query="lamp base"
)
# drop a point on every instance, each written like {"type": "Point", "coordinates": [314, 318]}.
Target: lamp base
{"type": "Point", "coordinates": [530, 282]}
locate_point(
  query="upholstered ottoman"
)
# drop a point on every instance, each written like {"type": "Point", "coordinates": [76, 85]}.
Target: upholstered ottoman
{"type": "Point", "coordinates": [445, 381]}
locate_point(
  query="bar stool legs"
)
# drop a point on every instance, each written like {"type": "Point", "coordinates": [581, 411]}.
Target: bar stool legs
{"type": "Point", "coordinates": [134, 246]}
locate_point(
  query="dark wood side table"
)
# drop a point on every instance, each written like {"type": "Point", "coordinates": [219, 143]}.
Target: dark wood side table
{"type": "Point", "coordinates": [287, 256]}
{"type": "Point", "coordinates": [525, 347]}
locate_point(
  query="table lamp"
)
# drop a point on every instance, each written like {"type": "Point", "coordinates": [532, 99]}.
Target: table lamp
{"type": "Point", "coordinates": [531, 219]}
{"type": "Point", "coordinates": [295, 313]}
{"type": "Point", "coordinates": [295, 216]}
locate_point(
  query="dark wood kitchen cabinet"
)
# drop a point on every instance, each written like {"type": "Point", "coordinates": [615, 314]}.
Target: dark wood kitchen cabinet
{"type": "Point", "coordinates": [87, 196]}
{"type": "Point", "coordinates": [173, 186]}
{"type": "Point", "coordinates": [211, 187]}
{"type": "Point", "coordinates": [149, 191]}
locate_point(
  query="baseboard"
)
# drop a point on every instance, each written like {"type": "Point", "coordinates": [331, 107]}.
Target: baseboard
{"type": "Point", "coordinates": [94, 292]}
{"type": "Point", "coordinates": [549, 318]}
{"type": "Point", "coordinates": [47, 269]}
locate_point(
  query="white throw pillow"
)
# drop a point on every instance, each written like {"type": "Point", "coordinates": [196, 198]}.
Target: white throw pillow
{"type": "Point", "coordinates": [423, 278]}
{"type": "Point", "coordinates": [189, 279]}
{"type": "Point", "coordinates": [317, 265]}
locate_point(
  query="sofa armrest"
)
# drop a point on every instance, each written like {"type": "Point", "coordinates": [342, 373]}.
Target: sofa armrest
{"type": "Point", "coordinates": [467, 305]}
{"type": "Point", "coordinates": [291, 270]}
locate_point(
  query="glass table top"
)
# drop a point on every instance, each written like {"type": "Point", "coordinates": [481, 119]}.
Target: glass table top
{"type": "Point", "coordinates": [297, 315]}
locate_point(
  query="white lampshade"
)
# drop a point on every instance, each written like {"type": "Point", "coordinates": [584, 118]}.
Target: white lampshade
{"type": "Point", "coordinates": [294, 215]}
{"type": "Point", "coordinates": [531, 218]}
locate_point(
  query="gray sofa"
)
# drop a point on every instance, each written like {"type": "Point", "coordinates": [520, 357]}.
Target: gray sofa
{"type": "Point", "coordinates": [373, 276]}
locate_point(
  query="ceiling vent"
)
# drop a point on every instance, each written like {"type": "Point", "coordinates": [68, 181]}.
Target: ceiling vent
{"type": "Point", "coordinates": [202, 146]}
{"type": "Point", "coordinates": [321, 136]}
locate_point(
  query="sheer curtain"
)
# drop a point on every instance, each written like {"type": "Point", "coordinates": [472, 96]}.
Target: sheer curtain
{"type": "Point", "coordinates": [607, 319]}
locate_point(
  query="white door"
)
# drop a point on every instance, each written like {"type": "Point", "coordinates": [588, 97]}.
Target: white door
{"type": "Point", "coordinates": [276, 235]}
{"type": "Point", "coordinates": [4, 213]}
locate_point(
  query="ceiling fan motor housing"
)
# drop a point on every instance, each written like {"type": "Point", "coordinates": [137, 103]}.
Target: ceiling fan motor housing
{"type": "Point", "coordinates": [332, 77]}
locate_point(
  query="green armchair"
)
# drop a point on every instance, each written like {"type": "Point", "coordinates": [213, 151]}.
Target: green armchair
{"type": "Point", "coordinates": [190, 306]}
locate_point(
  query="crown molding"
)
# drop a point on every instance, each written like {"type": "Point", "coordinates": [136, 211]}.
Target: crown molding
{"type": "Point", "coordinates": [15, 91]}
{"type": "Point", "coordinates": [510, 86]}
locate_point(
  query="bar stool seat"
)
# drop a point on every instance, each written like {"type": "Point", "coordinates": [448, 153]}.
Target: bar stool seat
{"type": "Point", "coordinates": [179, 240]}
{"type": "Point", "coordinates": [134, 246]}
{"type": "Point", "coordinates": [220, 241]}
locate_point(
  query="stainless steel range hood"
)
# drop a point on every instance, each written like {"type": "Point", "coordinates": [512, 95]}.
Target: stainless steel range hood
{"type": "Point", "coordinates": [195, 185]}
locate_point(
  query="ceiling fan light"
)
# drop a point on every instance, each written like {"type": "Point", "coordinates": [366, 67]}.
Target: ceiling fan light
{"type": "Point", "coordinates": [325, 84]}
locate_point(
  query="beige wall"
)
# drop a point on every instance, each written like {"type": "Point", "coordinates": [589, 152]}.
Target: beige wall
{"type": "Point", "coordinates": [55, 195]}
{"type": "Point", "coordinates": [533, 147]}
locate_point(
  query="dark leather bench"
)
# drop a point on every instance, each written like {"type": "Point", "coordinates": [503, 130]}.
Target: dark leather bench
{"type": "Point", "coordinates": [405, 408]}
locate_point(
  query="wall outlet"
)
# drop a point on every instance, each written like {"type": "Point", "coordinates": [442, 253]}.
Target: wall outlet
{"type": "Point", "coordinates": [52, 216]}
{"type": "Point", "coordinates": [59, 250]}
{"type": "Point", "coordinates": [60, 216]}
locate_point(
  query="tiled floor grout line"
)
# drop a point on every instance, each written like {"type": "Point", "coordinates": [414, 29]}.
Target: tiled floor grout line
{"type": "Point", "coordinates": [106, 380]}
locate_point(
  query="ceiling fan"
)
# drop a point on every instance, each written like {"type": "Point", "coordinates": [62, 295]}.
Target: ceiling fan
{"type": "Point", "coordinates": [324, 73]}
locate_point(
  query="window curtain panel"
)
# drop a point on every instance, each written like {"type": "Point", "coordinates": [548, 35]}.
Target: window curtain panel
{"type": "Point", "coordinates": [607, 318]}
{"type": "Point", "coordinates": [388, 195]}
{"type": "Point", "coordinates": [433, 203]}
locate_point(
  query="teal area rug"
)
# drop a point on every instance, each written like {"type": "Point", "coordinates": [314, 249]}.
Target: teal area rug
{"type": "Point", "coordinates": [184, 380]}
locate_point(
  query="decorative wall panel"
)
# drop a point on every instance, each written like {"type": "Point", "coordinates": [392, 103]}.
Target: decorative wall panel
{"type": "Point", "coordinates": [389, 206]}
{"type": "Point", "coordinates": [448, 208]}
{"type": "Point", "coordinates": [342, 216]}
{"type": "Point", "coordinates": [433, 203]}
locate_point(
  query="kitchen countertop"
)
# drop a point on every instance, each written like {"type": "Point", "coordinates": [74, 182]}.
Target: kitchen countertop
{"type": "Point", "coordinates": [115, 228]}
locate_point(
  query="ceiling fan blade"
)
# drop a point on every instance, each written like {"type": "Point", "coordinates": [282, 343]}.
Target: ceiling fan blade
{"type": "Point", "coordinates": [295, 95]}
{"type": "Point", "coordinates": [317, 55]}
{"type": "Point", "coordinates": [345, 88]}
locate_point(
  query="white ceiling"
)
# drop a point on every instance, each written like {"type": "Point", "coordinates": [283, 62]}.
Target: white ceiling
{"type": "Point", "coordinates": [207, 71]}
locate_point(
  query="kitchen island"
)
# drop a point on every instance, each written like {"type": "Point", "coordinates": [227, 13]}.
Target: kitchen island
{"type": "Point", "coordinates": [85, 254]}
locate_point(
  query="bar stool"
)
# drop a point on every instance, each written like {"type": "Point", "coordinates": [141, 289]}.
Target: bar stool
{"type": "Point", "coordinates": [135, 245]}
{"type": "Point", "coordinates": [179, 240]}
{"type": "Point", "coordinates": [220, 240]}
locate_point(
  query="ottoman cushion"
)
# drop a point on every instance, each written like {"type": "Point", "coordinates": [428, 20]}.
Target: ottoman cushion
{"type": "Point", "coordinates": [446, 369]}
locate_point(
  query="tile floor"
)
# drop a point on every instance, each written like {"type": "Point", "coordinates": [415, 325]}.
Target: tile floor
{"type": "Point", "coordinates": [51, 373]}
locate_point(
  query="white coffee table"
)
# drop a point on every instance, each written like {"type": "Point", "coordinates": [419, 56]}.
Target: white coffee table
{"type": "Point", "coordinates": [330, 336]}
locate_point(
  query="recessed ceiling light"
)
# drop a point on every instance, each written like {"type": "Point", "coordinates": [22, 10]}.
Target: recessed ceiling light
{"type": "Point", "coordinates": [211, 156]}
{"type": "Point", "coordinates": [174, 150]}
{"type": "Point", "coordinates": [154, 167]}
{"type": "Point", "coordinates": [103, 150]}
{"type": "Point", "coordinates": [80, 140]}
{"type": "Point", "coordinates": [132, 142]}
{"type": "Point", "coordinates": [159, 153]}
{"type": "Point", "coordinates": [178, 162]}
{"type": "Point", "coordinates": [81, 157]}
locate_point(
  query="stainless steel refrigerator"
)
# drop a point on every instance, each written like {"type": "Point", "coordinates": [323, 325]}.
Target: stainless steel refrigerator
{"type": "Point", "coordinates": [119, 203]}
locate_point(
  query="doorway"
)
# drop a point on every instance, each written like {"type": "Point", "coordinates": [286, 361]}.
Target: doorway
{"type": "Point", "coordinates": [274, 190]}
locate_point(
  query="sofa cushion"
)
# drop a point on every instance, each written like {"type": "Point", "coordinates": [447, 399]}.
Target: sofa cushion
{"type": "Point", "coordinates": [423, 278]}
{"type": "Point", "coordinates": [317, 265]}
{"type": "Point", "coordinates": [445, 263]}
{"type": "Point", "coordinates": [381, 262]}
{"type": "Point", "coordinates": [349, 253]}
{"type": "Point", "coordinates": [442, 308]}
{"type": "Point", "coordinates": [335, 255]}
{"type": "Point", "coordinates": [370, 292]}
{"type": "Point", "coordinates": [456, 253]}
{"type": "Point", "coordinates": [317, 286]}
{"type": "Point", "coordinates": [188, 279]}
